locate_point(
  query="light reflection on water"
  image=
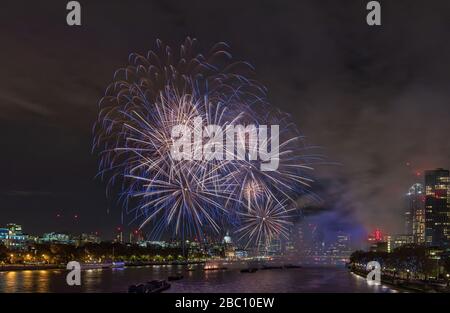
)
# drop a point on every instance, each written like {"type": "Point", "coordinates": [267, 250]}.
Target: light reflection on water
{"type": "Point", "coordinates": [308, 279]}
{"type": "Point", "coordinates": [37, 281]}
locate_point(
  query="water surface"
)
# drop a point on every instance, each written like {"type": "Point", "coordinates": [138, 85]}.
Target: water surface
{"type": "Point", "coordinates": [307, 279]}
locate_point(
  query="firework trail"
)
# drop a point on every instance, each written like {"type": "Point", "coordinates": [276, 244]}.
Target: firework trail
{"type": "Point", "coordinates": [265, 221]}
{"type": "Point", "coordinates": [291, 177]}
{"type": "Point", "coordinates": [133, 135]}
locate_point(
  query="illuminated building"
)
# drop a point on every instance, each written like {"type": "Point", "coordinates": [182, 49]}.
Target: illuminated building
{"type": "Point", "coordinates": [288, 245]}
{"type": "Point", "coordinates": [195, 249]}
{"type": "Point", "coordinates": [294, 242]}
{"type": "Point", "coordinates": [315, 251]}
{"type": "Point", "coordinates": [437, 207]}
{"type": "Point", "coordinates": [59, 238]}
{"type": "Point", "coordinates": [89, 238]}
{"type": "Point", "coordinates": [435, 255]}
{"type": "Point", "coordinates": [341, 252]}
{"type": "Point", "coordinates": [227, 239]}
{"type": "Point", "coordinates": [275, 247]}
{"type": "Point", "coordinates": [155, 244]}
{"type": "Point", "coordinates": [375, 236]}
{"type": "Point", "coordinates": [377, 242]}
{"type": "Point", "coordinates": [4, 232]}
{"type": "Point", "coordinates": [379, 246]}
{"type": "Point", "coordinates": [15, 238]}
{"type": "Point", "coordinates": [229, 248]}
{"type": "Point", "coordinates": [33, 239]}
{"type": "Point", "coordinates": [389, 241]}
{"type": "Point", "coordinates": [415, 214]}
{"type": "Point", "coordinates": [241, 253]}
{"type": "Point", "coordinates": [401, 240]}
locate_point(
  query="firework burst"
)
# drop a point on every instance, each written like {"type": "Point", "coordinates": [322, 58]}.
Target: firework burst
{"type": "Point", "coordinates": [264, 221]}
{"type": "Point", "coordinates": [133, 135]}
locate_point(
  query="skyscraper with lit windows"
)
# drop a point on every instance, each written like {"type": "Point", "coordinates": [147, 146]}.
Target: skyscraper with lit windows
{"type": "Point", "coordinates": [437, 207]}
{"type": "Point", "coordinates": [415, 213]}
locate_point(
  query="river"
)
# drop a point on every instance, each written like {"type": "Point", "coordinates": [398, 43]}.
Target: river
{"type": "Point", "coordinates": [306, 279]}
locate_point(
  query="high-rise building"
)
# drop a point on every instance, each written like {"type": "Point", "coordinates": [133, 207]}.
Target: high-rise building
{"type": "Point", "coordinates": [342, 249]}
{"type": "Point", "coordinates": [437, 207]}
{"type": "Point", "coordinates": [389, 241]}
{"type": "Point", "coordinates": [288, 244]}
{"type": "Point", "coordinates": [415, 213]}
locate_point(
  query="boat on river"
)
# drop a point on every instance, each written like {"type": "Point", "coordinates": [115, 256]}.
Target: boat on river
{"type": "Point", "coordinates": [213, 266]}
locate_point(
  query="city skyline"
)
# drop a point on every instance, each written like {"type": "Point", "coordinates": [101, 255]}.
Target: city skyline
{"type": "Point", "coordinates": [410, 225]}
{"type": "Point", "coordinates": [418, 216]}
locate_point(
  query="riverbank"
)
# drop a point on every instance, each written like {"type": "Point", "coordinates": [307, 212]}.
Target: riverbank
{"type": "Point", "coordinates": [38, 267]}
{"type": "Point", "coordinates": [29, 267]}
{"type": "Point", "coordinates": [162, 263]}
{"type": "Point", "coordinates": [407, 285]}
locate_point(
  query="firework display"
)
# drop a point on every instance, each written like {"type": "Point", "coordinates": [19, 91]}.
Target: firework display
{"type": "Point", "coordinates": [264, 221]}
{"type": "Point", "coordinates": [193, 196]}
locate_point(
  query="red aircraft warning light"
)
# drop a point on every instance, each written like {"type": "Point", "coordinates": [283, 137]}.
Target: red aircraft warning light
{"type": "Point", "coordinates": [377, 235]}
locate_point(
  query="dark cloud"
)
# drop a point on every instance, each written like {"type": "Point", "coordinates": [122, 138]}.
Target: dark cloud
{"type": "Point", "coordinates": [29, 193]}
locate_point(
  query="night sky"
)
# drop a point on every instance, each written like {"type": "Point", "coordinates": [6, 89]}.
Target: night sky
{"type": "Point", "coordinates": [375, 99]}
